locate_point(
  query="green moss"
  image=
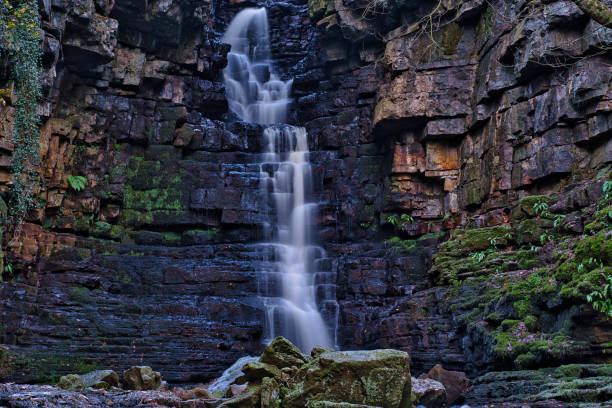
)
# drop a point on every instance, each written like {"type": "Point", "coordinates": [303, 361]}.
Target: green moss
{"type": "Point", "coordinates": [527, 205]}
{"type": "Point", "coordinates": [526, 360]}
{"type": "Point", "coordinates": [101, 228]}
{"type": "Point", "coordinates": [43, 367]}
{"type": "Point", "coordinates": [402, 245]}
{"type": "Point", "coordinates": [451, 36]}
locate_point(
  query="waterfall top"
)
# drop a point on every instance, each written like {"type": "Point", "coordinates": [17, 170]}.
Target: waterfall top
{"type": "Point", "coordinates": [254, 91]}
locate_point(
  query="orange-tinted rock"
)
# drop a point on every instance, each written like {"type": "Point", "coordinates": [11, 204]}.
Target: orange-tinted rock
{"type": "Point", "coordinates": [455, 383]}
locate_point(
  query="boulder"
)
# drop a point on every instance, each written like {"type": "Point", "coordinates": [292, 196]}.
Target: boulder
{"type": "Point", "coordinates": [456, 383]}
{"type": "Point", "coordinates": [378, 378]}
{"type": "Point", "coordinates": [429, 393]}
{"type": "Point", "coordinates": [141, 378]}
{"type": "Point", "coordinates": [71, 382]}
{"type": "Point", "coordinates": [254, 371]}
{"type": "Point", "coordinates": [101, 379]}
{"type": "Point", "coordinates": [282, 353]}
{"type": "Point", "coordinates": [270, 392]}
{"type": "Point", "coordinates": [248, 399]}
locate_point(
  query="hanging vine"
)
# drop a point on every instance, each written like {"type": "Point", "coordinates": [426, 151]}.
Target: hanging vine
{"type": "Point", "coordinates": [20, 46]}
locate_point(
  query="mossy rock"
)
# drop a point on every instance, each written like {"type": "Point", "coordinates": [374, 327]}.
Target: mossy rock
{"type": "Point", "coordinates": [71, 382]}
{"type": "Point", "coordinates": [471, 240]}
{"type": "Point", "coordinates": [248, 399]}
{"type": "Point", "coordinates": [526, 204]}
{"type": "Point", "coordinates": [379, 378]}
{"type": "Point", "coordinates": [256, 371]}
{"type": "Point", "coordinates": [141, 378]}
{"type": "Point", "coordinates": [282, 353]}
{"type": "Point", "coordinates": [270, 393]}
{"type": "Point", "coordinates": [101, 379]}
{"type": "Point", "coordinates": [531, 230]}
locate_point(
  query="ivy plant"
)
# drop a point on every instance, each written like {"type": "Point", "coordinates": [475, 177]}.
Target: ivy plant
{"type": "Point", "coordinates": [20, 47]}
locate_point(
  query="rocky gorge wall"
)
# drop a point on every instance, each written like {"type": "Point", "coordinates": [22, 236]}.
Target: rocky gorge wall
{"type": "Point", "coordinates": [451, 124]}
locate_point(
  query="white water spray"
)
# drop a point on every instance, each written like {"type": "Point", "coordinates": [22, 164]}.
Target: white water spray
{"type": "Point", "coordinates": [254, 92]}
{"type": "Point", "coordinates": [298, 290]}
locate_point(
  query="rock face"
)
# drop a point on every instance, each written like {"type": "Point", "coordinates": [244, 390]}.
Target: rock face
{"type": "Point", "coordinates": [446, 126]}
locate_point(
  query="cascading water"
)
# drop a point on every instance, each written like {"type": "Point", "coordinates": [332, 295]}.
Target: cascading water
{"type": "Point", "coordinates": [298, 290]}
{"type": "Point", "coordinates": [254, 92]}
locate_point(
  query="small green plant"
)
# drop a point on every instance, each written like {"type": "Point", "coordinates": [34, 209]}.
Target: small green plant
{"type": "Point", "coordinates": [540, 207]}
{"type": "Point", "coordinates": [77, 183]}
{"type": "Point", "coordinates": [544, 238]}
{"type": "Point", "coordinates": [365, 225]}
{"type": "Point", "coordinates": [8, 268]}
{"type": "Point", "coordinates": [405, 218]}
{"type": "Point", "coordinates": [559, 218]}
{"type": "Point", "coordinates": [493, 243]}
{"type": "Point", "coordinates": [478, 256]}
{"type": "Point", "coordinates": [607, 189]}
{"type": "Point", "coordinates": [601, 300]}
{"type": "Point", "coordinates": [400, 222]}
{"type": "Point", "coordinates": [392, 219]}
{"type": "Point", "coordinates": [446, 217]}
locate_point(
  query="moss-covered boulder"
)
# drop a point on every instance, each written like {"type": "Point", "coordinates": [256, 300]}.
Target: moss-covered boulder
{"type": "Point", "coordinates": [71, 382]}
{"type": "Point", "coordinates": [379, 378]}
{"type": "Point", "coordinates": [256, 371]}
{"type": "Point", "coordinates": [141, 378]}
{"type": "Point", "coordinates": [248, 399]}
{"type": "Point", "coordinates": [534, 205]}
{"type": "Point", "coordinates": [282, 353]}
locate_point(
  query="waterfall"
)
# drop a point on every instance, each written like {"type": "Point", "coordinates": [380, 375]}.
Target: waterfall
{"type": "Point", "coordinates": [254, 92]}
{"type": "Point", "coordinates": [298, 289]}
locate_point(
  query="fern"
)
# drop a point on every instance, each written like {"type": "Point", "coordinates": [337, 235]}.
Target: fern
{"type": "Point", "coordinates": [77, 183]}
{"type": "Point", "coordinates": [601, 300]}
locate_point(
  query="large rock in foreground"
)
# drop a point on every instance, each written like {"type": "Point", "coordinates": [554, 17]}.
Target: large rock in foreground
{"type": "Point", "coordinates": [141, 378]}
{"type": "Point", "coordinates": [378, 378]}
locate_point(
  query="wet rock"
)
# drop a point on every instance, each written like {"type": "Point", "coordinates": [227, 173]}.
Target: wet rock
{"type": "Point", "coordinates": [141, 378]}
{"type": "Point", "coordinates": [429, 393]}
